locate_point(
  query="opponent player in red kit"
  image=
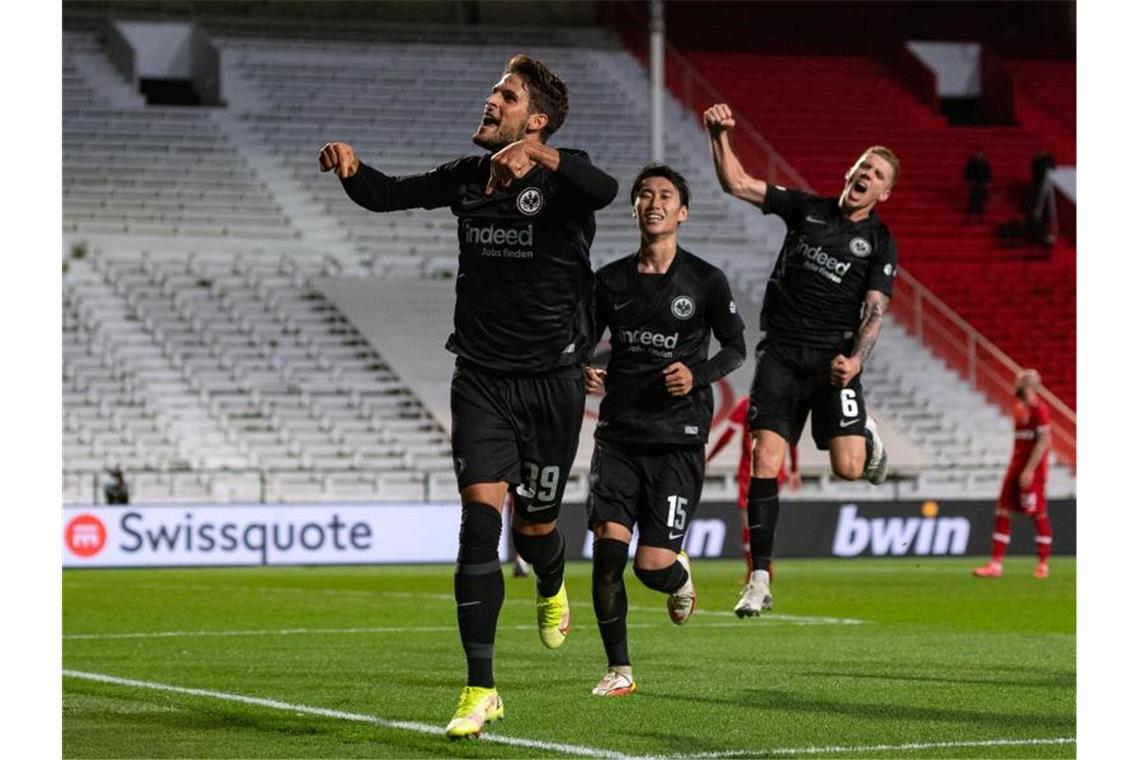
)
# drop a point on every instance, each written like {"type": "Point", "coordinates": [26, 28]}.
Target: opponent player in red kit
{"type": "Point", "coordinates": [738, 418]}
{"type": "Point", "coordinates": [1024, 486]}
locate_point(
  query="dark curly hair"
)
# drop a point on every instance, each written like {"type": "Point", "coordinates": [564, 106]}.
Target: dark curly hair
{"type": "Point", "coordinates": [547, 92]}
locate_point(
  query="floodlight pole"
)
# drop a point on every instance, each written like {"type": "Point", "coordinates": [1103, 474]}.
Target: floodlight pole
{"type": "Point", "coordinates": [657, 80]}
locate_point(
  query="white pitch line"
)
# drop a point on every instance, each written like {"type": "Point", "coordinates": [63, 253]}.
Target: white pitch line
{"type": "Point", "coordinates": [403, 725]}
{"type": "Point", "coordinates": [290, 632]}
{"type": "Point", "coordinates": [570, 749]}
{"type": "Point", "coordinates": [915, 746]}
{"type": "Point", "coordinates": [767, 616]}
{"type": "Point", "coordinates": [271, 632]}
{"type": "Point", "coordinates": [298, 631]}
{"type": "Point", "coordinates": [272, 589]}
{"type": "Point", "coordinates": [379, 629]}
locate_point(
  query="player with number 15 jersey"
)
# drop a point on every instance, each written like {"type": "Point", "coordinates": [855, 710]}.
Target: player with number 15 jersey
{"type": "Point", "coordinates": [660, 305]}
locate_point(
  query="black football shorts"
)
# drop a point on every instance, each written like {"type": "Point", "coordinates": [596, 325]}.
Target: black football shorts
{"type": "Point", "coordinates": [792, 380]}
{"type": "Point", "coordinates": [522, 430]}
{"type": "Point", "coordinates": [656, 487]}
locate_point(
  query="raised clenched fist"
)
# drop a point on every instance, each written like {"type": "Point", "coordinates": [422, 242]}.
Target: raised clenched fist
{"type": "Point", "coordinates": [718, 118]}
{"type": "Point", "coordinates": [341, 157]}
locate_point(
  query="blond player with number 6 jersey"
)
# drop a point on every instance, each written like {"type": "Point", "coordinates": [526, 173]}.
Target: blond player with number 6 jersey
{"type": "Point", "coordinates": [822, 312]}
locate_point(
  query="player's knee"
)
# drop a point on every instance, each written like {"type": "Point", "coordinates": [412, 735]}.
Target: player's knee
{"type": "Point", "coordinates": [766, 462]}
{"type": "Point", "coordinates": [847, 464]}
{"type": "Point", "coordinates": [655, 578]}
{"type": "Point", "coordinates": [479, 532]}
{"type": "Point", "coordinates": [614, 530]}
{"type": "Point", "coordinates": [532, 529]}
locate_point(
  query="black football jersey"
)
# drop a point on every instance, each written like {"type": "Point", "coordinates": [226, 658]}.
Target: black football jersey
{"type": "Point", "coordinates": [655, 320]}
{"type": "Point", "coordinates": [524, 283]}
{"type": "Point", "coordinates": [826, 266]}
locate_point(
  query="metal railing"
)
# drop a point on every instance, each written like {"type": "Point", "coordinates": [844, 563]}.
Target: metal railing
{"type": "Point", "coordinates": [986, 367]}
{"type": "Point", "coordinates": [983, 365]}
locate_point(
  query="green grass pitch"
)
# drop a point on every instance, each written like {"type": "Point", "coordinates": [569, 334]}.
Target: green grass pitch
{"type": "Point", "coordinates": [860, 658]}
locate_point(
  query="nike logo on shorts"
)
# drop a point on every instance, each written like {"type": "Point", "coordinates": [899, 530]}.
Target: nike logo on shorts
{"type": "Point", "coordinates": [532, 508]}
{"type": "Point", "coordinates": [848, 423]}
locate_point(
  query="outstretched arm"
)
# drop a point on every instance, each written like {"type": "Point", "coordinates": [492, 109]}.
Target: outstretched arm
{"type": "Point", "coordinates": [845, 368]}
{"type": "Point", "coordinates": [376, 191]}
{"type": "Point", "coordinates": [729, 171]}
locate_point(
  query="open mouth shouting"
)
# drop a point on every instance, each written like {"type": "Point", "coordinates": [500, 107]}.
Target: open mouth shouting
{"type": "Point", "coordinates": [490, 118]}
{"type": "Point", "coordinates": [857, 191]}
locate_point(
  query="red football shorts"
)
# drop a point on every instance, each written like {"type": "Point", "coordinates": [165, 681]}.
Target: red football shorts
{"type": "Point", "coordinates": [1030, 501]}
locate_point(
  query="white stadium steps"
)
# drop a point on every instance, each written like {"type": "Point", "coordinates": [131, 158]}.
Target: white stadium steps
{"type": "Point", "coordinates": [201, 355]}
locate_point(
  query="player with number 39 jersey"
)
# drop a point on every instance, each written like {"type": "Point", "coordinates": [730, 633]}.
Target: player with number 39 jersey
{"type": "Point", "coordinates": [525, 214]}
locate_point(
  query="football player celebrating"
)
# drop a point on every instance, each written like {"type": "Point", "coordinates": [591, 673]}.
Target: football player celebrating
{"type": "Point", "coordinates": [822, 312]}
{"type": "Point", "coordinates": [660, 305]}
{"type": "Point", "coordinates": [522, 334]}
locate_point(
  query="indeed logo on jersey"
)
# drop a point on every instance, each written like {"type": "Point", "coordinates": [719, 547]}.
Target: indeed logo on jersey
{"type": "Point", "coordinates": [646, 338]}
{"type": "Point", "coordinates": [819, 261]}
{"type": "Point", "coordinates": [494, 235]}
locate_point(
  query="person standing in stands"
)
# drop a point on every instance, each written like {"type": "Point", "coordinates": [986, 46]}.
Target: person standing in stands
{"type": "Point", "coordinates": [523, 331]}
{"type": "Point", "coordinates": [1041, 204]}
{"type": "Point", "coordinates": [977, 175]}
{"type": "Point", "coordinates": [115, 490]}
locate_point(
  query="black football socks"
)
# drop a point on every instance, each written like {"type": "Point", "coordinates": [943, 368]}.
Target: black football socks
{"type": "Point", "coordinates": [763, 514]}
{"type": "Point", "coordinates": [547, 555]}
{"type": "Point", "coordinates": [479, 589]}
{"type": "Point", "coordinates": [610, 604]}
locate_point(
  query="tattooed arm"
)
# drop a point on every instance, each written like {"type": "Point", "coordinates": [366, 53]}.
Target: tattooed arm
{"type": "Point", "coordinates": [845, 368]}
